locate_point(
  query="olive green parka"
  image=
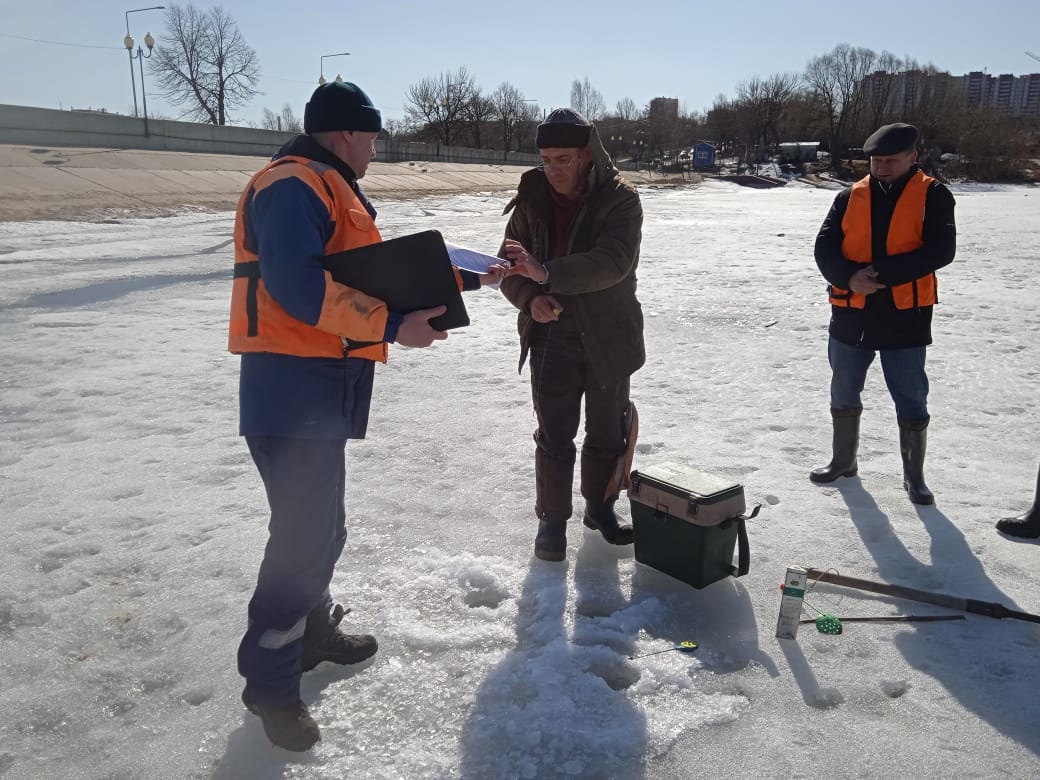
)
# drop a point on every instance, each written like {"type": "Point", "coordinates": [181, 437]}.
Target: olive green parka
{"type": "Point", "coordinates": [595, 280]}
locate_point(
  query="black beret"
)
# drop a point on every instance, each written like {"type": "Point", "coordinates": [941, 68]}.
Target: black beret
{"type": "Point", "coordinates": [564, 128]}
{"type": "Point", "coordinates": [891, 139]}
{"type": "Point", "coordinates": [340, 105]}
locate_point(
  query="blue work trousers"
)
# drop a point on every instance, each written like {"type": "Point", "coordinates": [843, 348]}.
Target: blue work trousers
{"type": "Point", "coordinates": [305, 481]}
{"type": "Point", "coordinates": [904, 375]}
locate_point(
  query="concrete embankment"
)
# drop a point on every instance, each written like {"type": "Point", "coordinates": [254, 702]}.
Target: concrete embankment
{"type": "Point", "coordinates": [65, 183]}
{"type": "Point", "coordinates": [75, 183]}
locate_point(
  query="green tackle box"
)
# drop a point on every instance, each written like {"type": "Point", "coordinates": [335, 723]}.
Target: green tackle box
{"type": "Point", "coordinates": [687, 523]}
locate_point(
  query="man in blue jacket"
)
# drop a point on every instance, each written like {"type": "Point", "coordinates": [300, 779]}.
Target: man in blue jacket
{"type": "Point", "coordinates": [309, 347]}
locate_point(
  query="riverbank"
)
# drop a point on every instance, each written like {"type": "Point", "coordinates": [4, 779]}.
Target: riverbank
{"type": "Point", "coordinates": [41, 183]}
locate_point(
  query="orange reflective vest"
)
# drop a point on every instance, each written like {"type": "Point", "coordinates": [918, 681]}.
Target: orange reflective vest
{"type": "Point", "coordinates": [904, 235]}
{"type": "Point", "coordinates": [259, 324]}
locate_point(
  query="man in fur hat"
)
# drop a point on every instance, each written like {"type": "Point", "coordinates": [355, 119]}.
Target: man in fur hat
{"type": "Point", "coordinates": [574, 236]}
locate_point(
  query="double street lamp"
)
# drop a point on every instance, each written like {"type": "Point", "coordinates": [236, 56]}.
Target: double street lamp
{"type": "Point", "coordinates": [321, 70]}
{"type": "Point", "coordinates": [140, 56]}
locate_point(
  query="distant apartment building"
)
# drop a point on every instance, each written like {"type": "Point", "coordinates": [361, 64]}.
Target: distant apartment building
{"type": "Point", "coordinates": [665, 108]}
{"type": "Point", "coordinates": [900, 93]}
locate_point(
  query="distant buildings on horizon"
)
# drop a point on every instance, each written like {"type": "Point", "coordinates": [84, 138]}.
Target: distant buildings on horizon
{"type": "Point", "coordinates": [1016, 96]}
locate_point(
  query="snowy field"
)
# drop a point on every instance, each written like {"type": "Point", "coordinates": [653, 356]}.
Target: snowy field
{"type": "Point", "coordinates": [134, 522]}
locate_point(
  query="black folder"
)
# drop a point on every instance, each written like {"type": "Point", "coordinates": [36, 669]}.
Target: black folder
{"type": "Point", "coordinates": [407, 273]}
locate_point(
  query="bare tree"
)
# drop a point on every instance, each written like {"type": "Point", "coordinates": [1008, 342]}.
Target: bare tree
{"type": "Point", "coordinates": [835, 80]}
{"type": "Point", "coordinates": [723, 126]}
{"type": "Point", "coordinates": [207, 69]}
{"type": "Point", "coordinates": [440, 105]}
{"type": "Point", "coordinates": [286, 121]}
{"type": "Point", "coordinates": [801, 121]}
{"type": "Point", "coordinates": [761, 106]}
{"type": "Point", "coordinates": [587, 100]}
{"type": "Point", "coordinates": [524, 132]}
{"type": "Point", "coordinates": [937, 107]}
{"type": "Point", "coordinates": [881, 98]}
{"type": "Point", "coordinates": [626, 109]}
{"type": "Point", "coordinates": [394, 128]}
{"type": "Point", "coordinates": [510, 109]}
{"type": "Point", "coordinates": [991, 144]}
{"type": "Point", "coordinates": [479, 112]}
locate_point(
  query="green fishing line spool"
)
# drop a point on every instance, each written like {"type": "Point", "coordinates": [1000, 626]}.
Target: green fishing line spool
{"type": "Point", "coordinates": [827, 623]}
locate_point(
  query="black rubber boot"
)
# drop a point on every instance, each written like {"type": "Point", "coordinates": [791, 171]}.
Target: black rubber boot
{"type": "Point", "coordinates": [1027, 525]}
{"type": "Point", "coordinates": [551, 542]}
{"type": "Point", "coordinates": [596, 473]}
{"type": "Point", "coordinates": [913, 441]}
{"type": "Point", "coordinates": [323, 641]}
{"type": "Point", "coordinates": [290, 727]}
{"type": "Point", "coordinates": [844, 446]}
{"type": "Point", "coordinates": [600, 517]}
{"type": "Point", "coordinates": [554, 481]}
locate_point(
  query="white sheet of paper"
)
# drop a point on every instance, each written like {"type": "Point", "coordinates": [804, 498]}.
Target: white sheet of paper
{"type": "Point", "coordinates": [470, 259]}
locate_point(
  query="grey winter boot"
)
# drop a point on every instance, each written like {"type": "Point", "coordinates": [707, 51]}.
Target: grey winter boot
{"type": "Point", "coordinates": [1026, 525]}
{"type": "Point", "coordinates": [844, 446]}
{"type": "Point", "coordinates": [913, 440]}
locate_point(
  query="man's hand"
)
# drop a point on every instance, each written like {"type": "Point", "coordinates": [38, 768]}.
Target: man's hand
{"type": "Point", "coordinates": [865, 281]}
{"type": "Point", "coordinates": [524, 263]}
{"type": "Point", "coordinates": [415, 330]}
{"type": "Point", "coordinates": [494, 275]}
{"type": "Point", "coordinates": [545, 308]}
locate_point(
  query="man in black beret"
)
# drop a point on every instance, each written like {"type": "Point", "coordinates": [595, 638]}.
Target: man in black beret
{"type": "Point", "coordinates": [574, 236]}
{"type": "Point", "coordinates": [879, 248]}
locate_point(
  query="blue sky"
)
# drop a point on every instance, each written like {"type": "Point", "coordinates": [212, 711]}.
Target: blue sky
{"type": "Point", "coordinates": [626, 49]}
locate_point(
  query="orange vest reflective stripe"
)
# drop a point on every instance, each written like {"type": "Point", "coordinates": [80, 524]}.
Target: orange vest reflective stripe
{"type": "Point", "coordinates": [905, 231]}
{"type": "Point", "coordinates": [258, 323]}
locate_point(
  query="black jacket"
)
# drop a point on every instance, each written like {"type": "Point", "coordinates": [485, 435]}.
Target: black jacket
{"type": "Point", "coordinates": [880, 325]}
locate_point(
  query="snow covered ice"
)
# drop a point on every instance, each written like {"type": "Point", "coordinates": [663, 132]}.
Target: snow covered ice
{"type": "Point", "coordinates": [134, 521]}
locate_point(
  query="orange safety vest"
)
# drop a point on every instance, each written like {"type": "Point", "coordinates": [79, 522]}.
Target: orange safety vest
{"type": "Point", "coordinates": [259, 324]}
{"type": "Point", "coordinates": [904, 235]}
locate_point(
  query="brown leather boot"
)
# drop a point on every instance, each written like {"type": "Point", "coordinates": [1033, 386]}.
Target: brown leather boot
{"type": "Point", "coordinates": [290, 726]}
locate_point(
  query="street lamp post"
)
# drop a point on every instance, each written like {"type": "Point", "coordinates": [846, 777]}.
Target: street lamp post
{"type": "Point", "coordinates": [130, 46]}
{"type": "Point", "coordinates": [321, 66]}
{"type": "Point", "coordinates": [149, 41]}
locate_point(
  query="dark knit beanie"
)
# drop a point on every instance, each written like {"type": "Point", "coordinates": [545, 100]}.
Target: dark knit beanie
{"type": "Point", "coordinates": [564, 128]}
{"type": "Point", "coordinates": [340, 105]}
{"type": "Point", "coordinates": [890, 139]}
